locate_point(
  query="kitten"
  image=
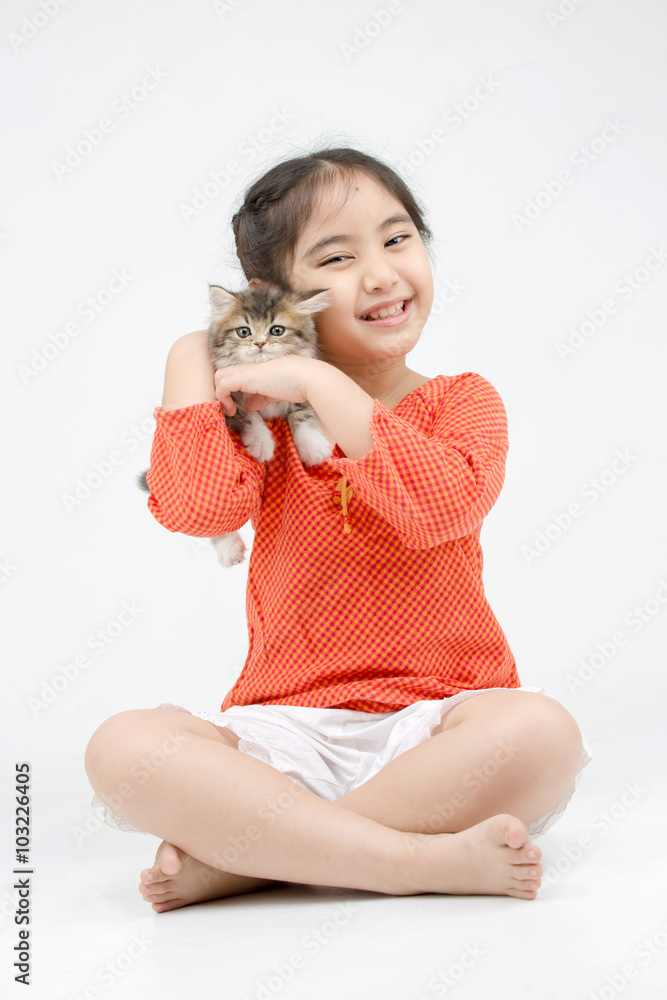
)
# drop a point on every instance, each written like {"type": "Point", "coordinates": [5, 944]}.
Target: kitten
{"type": "Point", "coordinates": [256, 325]}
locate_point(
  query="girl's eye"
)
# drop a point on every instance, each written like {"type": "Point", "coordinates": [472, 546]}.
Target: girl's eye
{"type": "Point", "coordinates": [277, 331]}
{"type": "Point", "coordinates": [242, 332]}
{"type": "Point", "coordinates": [391, 242]}
{"type": "Point", "coordinates": [332, 259]}
{"type": "Point", "coordinates": [394, 241]}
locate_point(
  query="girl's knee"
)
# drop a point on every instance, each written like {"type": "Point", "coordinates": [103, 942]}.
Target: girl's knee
{"type": "Point", "coordinates": [128, 736]}
{"type": "Point", "coordinates": [533, 727]}
{"type": "Point", "coordinates": [109, 738]}
{"type": "Point", "coordinates": [552, 732]}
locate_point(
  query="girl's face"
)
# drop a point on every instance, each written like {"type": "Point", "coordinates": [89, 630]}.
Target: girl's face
{"type": "Point", "coordinates": [370, 255]}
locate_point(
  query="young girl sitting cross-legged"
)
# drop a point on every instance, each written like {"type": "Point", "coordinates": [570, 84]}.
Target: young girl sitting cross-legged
{"type": "Point", "coordinates": [377, 737]}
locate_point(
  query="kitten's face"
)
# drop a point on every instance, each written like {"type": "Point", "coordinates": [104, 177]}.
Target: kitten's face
{"type": "Point", "coordinates": [262, 323]}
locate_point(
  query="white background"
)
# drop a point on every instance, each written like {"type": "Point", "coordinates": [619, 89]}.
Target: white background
{"type": "Point", "coordinates": [254, 82]}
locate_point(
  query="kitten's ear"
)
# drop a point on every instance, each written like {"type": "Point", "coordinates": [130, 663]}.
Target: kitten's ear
{"type": "Point", "coordinates": [220, 298]}
{"type": "Point", "coordinates": [260, 283]}
{"type": "Point", "coordinates": [312, 302]}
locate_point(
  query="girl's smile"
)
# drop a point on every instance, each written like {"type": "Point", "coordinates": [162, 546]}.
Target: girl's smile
{"type": "Point", "coordinates": [388, 313]}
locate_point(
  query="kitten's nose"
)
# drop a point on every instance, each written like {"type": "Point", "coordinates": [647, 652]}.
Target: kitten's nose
{"type": "Point", "coordinates": [260, 344]}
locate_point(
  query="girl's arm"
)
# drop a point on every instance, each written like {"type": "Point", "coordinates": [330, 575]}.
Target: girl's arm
{"type": "Point", "coordinates": [202, 480]}
{"type": "Point", "coordinates": [343, 407]}
{"type": "Point", "coordinates": [436, 487]}
{"type": "Point", "coordinates": [189, 375]}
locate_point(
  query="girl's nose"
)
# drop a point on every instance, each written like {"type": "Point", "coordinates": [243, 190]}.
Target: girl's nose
{"type": "Point", "coordinates": [379, 275]}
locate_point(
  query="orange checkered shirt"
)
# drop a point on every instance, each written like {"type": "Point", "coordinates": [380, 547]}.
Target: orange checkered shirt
{"type": "Point", "coordinates": [365, 576]}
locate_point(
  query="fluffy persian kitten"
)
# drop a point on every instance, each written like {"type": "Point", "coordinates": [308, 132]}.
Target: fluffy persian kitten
{"type": "Point", "coordinates": [252, 326]}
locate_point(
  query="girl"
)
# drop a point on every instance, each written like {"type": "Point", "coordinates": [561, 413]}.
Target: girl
{"type": "Point", "coordinates": [377, 737]}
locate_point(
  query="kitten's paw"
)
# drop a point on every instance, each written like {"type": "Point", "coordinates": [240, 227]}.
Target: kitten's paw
{"type": "Point", "coordinates": [259, 444]}
{"type": "Point", "coordinates": [312, 446]}
{"type": "Point", "coordinates": [315, 456]}
{"type": "Point", "coordinates": [230, 548]}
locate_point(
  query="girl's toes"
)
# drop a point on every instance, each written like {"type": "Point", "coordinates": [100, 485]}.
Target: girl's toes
{"type": "Point", "coordinates": [533, 872]}
{"type": "Point", "coordinates": [157, 896]}
{"type": "Point", "coordinates": [161, 907]}
{"type": "Point", "coordinates": [526, 888]}
{"type": "Point", "coordinates": [171, 858]}
{"type": "Point", "coordinates": [528, 885]}
{"type": "Point", "coordinates": [516, 835]}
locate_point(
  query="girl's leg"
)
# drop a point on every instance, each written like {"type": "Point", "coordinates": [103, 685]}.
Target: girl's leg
{"type": "Point", "coordinates": [176, 878]}
{"type": "Point", "coordinates": [502, 751]}
{"type": "Point", "coordinates": [171, 774]}
{"type": "Point", "coordinates": [173, 867]}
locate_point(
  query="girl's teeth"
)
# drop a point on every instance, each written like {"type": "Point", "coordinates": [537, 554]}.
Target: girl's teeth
{"type": "Point", "coordinates": [383, 313]}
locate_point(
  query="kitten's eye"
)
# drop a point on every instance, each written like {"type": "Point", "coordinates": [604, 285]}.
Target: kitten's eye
{"type": "Point", "coordinates": [242, 332]}
{"type": "Point", "coordinates": [277, 331]}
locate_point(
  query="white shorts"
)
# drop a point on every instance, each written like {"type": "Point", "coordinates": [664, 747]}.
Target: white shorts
{"type": "Point", "coordinates": [330, 751]}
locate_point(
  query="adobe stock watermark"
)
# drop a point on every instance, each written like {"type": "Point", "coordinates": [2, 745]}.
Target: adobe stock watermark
{"type": "Point", "coordinates": [603, 821]}
{"type": "Point", "coordinates": [651, 947]}
{"type": "Point", "coordinates": [564, 10]}
{"type": "Point", "coordinates": [446, 979]}
{"type": "Point", "coordinates": [32, 24]}
{"type": "Point", "coordinates": [473, 781]}
{"type": "Point", "coordinates": [453, 117]}
{"type": "Point", "coordinates": [97, 642]}
{"type": "Point", "coordinates": [121, 109]}
{"type": "Point", "coordinates": [636, 619]}
{"type": "Point", "coordinates": [239, 843]}
{"type": "Point", "coordinates": [222, 7]}
{"type": "Point", "coordinates": [446, 295]}
{"type": "Point", "coordinates": [87, 310]}
{"type": "Point", "coordinates": [7, 569]}
{"type": "Point", "coordinates": [311, 944]}
{"type": "Point", "coordinates": [199, 545]}
{"type": "Point", "coordinates": [248, 150]}
{"type": "Point", "coordinates": [141, 771]}
{"type": "Point", "coordinates": [592, 490]}
{"type": "Point", "coordinates": [86, 485]}
{"type": "Point", "coordinates": [109, 973]}
{"type": "Point", "coordinates": [624, 289]}
{"type": "Point", "coordinates": [7, 907]}
{"type": "Point", "coordinates": [582, 157]}
{"type": "Point", "coordinates": [89, 827]}
{"type": "Point", "coordinates": [365, 33]}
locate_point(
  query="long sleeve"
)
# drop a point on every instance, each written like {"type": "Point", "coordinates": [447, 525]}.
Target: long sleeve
{"type": "Point", "coordinates": [433, 489]}
{"type": "Point", "coordinates": [202, 480]}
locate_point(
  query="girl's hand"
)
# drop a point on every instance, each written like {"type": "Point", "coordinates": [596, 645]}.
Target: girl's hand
{"type": "Point", "coordinates": [266, 381]}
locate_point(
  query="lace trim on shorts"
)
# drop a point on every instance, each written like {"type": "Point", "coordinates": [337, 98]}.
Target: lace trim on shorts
{"type": "Point", "coordinates": [545, 822]}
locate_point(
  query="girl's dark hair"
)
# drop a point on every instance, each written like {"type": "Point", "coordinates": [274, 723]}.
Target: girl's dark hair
{"type": "Point", "coordinates": [278, 205]}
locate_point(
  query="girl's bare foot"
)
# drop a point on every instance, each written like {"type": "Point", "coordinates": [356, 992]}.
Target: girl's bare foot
{"type": "Point", "coordinates": [492, 858]}
{"type": "Point", "coordinates": [177, 879]}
